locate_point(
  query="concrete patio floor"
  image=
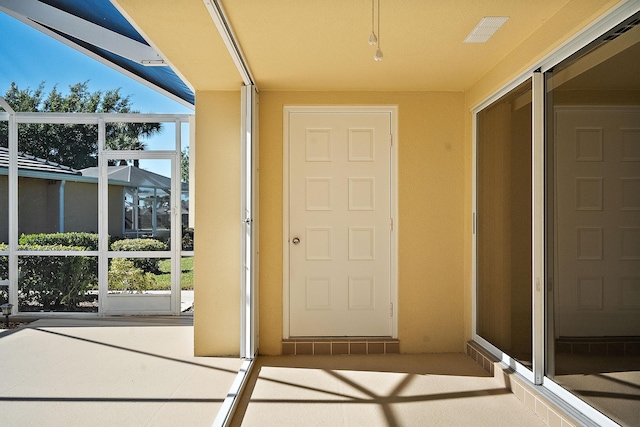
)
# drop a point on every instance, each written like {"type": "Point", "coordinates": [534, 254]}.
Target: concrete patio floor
{"type": "Point", "coordinates": [117, 371]}
{"type": "Point", "coordinates": [378, 390]}
{"type": "Point", "coordinates": [139, 371]}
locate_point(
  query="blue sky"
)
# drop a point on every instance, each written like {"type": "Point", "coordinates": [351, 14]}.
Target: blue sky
{"type": "Point", "coordinates": [29, 57]}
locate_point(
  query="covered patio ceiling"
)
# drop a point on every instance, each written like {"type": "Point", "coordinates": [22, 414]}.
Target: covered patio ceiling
{"type": "Point", "coordinates": [293, 45]}
{"type": "Point", "coordinates": [302, 45]}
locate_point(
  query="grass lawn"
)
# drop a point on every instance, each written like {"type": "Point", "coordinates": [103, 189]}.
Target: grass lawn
{"type": "Point", "coordinates": [163, 280]}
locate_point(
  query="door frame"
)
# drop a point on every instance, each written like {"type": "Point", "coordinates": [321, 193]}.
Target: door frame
{"type": "Point", "coordinates": [141, 304]}
{"type": "Point", "coordinates": [392, 110]}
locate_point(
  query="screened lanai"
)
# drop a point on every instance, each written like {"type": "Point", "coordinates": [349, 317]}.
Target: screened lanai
{"type": "Point", "coordinates": [85, 210]}
{"type": "Point", "coordinates": [106, 239]}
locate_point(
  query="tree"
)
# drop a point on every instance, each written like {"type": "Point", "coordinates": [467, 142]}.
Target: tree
{"type": "Point", "coordinates": [74, 145]}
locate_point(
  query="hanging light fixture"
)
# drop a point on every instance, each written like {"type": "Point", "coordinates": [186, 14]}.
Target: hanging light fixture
{"type": "Point", "coordinates": [372, 38]}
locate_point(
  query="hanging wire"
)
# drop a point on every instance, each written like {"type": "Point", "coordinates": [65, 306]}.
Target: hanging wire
{"type": "Point", "coordinates": [372, 38]}
{"type": "Point", "coordinates": [378, 56]}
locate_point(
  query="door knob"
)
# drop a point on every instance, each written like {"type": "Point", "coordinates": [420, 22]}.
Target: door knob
{"type": "Point", "coordinates": [296, 240]}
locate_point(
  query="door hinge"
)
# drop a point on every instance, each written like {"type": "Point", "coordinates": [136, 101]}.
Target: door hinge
{"type": "Point", "coordinates": [390, 309]}
{"type": "Point", "coordinates": [391, 140]}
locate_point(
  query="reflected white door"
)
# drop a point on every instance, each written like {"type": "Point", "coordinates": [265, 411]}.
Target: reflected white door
{"type": "Point", "coordinates": [598, 215]}
{"type": "Point", "coordinates": [339, 224]}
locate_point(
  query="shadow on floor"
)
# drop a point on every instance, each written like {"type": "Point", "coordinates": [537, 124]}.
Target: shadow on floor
{"type": "Point", "coordinates": [110, 371]}
{"type": "Point", "coordinates": [385, 390]}
{"type": "Point", "coordinates": [611, 384]}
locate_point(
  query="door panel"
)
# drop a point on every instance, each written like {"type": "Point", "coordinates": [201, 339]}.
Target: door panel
{"type": "Point", "coordinates": [339, 228]}
{"type": "Point", "coordinates": [598, 217]}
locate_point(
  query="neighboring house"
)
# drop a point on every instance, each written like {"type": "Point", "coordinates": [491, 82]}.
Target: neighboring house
{"type": "Point", "coordinates": [146, 200]}
{"type": "Point", "coordinates": [56, 198]}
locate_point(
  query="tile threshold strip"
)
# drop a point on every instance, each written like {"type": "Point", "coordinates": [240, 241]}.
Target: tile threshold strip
{"type": "Point", "coordinates": [228, 408]}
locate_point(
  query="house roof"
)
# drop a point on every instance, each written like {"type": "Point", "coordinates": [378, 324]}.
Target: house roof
{"type": "Point", "coordinates": [134, 177]}
{"type": "Point", "coordinates": [29, 162]}
{"type": "Point", "coordinates": [128, 175]}
{"type": "Point", "coordinates": [98, 29]}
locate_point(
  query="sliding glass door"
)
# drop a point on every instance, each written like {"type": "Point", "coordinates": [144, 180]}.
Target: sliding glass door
{"type": "Point", "coordinates": [557, 224]}
{"type": "Point", "coordinates": [503, 154]}
{"type": "Point", "coordinates": [593, 164]}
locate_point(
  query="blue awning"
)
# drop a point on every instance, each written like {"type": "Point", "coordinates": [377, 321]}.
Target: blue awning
{"type": "Point", "coordinates": [96, 27]}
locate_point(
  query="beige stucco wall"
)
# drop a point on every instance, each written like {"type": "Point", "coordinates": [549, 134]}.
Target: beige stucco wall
{"type": "Point", "coordinates": [81, 207]}
{"type": "Point", "coordinates": [39, 202]}
{"type": "Point", "coordinates": [217, 224]}
{"type": "Point", "coordinates": [37, 206]}
{"type": "Point", "coordinates": [435, 193]}
{"type": "Point", "coordinates": [431, 201]}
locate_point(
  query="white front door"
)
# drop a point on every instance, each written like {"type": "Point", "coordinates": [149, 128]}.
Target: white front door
{"type": "Point", "coordinates": [340, 223]}
{"type": "Point", "coordinates": [598, 221]}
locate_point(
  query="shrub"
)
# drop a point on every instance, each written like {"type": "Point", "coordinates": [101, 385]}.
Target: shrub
{"type": "Point", "coordinates": [187, 239]}
{"type": "Point", "coordinates": [125, 277]}
{"type": "Point", "coordinates": [48, 283]}
{"type": "Point", "coordinates": [138, 245]}
{"type": "Point", "coordinates": [85, 240]}
{"type": "Point", "coordinates": [57, 283]}
{"type": "Point", "coordinates": [4, 295]}
{"type": "Point", "coordinates": [147, 265]}
{"type": "Point", "coordinates": [4, 274]}
{"type": "Point", "coordinates": [4, 262]}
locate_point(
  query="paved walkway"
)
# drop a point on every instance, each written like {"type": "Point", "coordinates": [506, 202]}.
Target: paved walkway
{"type": "Point", "coordinates": [117, 371]}
{"type": "Point", "coordinates": [186, 300]}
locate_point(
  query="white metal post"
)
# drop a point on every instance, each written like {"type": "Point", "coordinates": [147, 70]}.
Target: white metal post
{"type": "Point", "coordinates": [474, 221]}
{"type": "Point", "coordinates": [103, 221]}
{"type": "Point", "coordinates": [537, 226]}
{"type": "Point", "coordinates": [255, 223]}
{"type": "Point", "coordinates": [13, 212]}
{"type": "Point", "coordinates": [176, 222]}
{"type": "Point", "coordinates": [192, 170]}
{"type": "Point", "coordinates": [245, 212]}
{"type": "Point", "coordinates": [248, 276]}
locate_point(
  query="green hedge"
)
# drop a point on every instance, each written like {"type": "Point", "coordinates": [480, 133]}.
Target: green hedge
{"type": "Point", "coordinates": [147, 265]}
{"type": "Point", "coordinates": [89, 241]}
{"type": "Point", "coordinates": [187, 239]}
{"type": "Point", "coordinates": [4, 263]}
{"type": "Point", "coordinates": [55, 283]}
{"type": "Point", "coordinates": [60, 283]}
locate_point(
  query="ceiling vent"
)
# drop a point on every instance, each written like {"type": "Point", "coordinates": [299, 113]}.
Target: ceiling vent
{"type": "Point", "coordinates": [485, 29]}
